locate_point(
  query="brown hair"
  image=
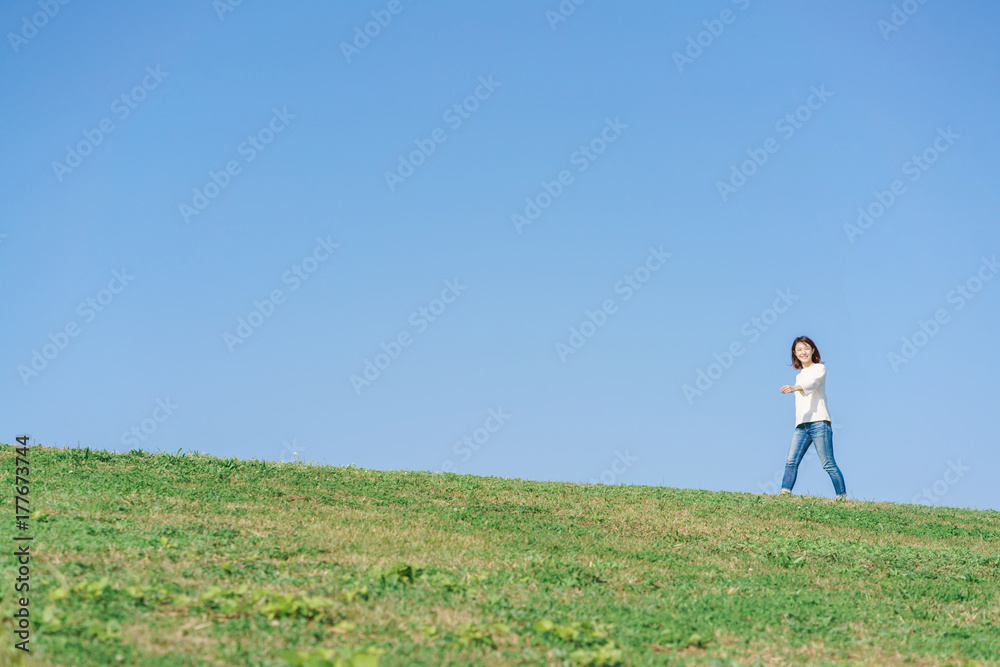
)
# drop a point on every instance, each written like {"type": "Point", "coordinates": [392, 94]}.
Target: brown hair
{"type": "Point", "coordinates": [808, 341]}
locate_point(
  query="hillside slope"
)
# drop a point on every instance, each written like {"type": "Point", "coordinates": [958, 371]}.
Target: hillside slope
{"type": "Point", "coordinates": [177, 560]}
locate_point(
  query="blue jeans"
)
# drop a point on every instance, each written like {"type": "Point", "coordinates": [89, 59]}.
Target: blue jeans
{"type": "Point", "coordinates": [805, 434]}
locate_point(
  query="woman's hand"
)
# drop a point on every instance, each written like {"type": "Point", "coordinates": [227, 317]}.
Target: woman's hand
{"type": "Point", "coordinates": [787, 389]}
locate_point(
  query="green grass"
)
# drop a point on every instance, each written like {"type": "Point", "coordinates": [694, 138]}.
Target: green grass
{"type": "Point", "coordinates": [186, 560]}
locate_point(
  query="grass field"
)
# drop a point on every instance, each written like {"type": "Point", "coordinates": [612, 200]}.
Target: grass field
{"type": "Point", "coordinates": [183, 560]}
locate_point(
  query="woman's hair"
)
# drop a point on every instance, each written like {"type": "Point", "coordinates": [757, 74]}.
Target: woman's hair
{"type": "Point", "coordinates": [808, 341]}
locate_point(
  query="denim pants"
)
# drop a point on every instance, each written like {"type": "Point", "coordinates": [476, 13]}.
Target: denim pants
{"type": "Point", "coordinates": [805, 434]}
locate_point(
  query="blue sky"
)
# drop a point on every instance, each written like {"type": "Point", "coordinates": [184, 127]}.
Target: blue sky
{"type": "Point", "coordinates": [185, 166]}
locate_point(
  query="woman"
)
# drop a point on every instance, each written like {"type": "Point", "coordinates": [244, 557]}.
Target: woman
{"type": "Point", "coordinates": [812, 420]}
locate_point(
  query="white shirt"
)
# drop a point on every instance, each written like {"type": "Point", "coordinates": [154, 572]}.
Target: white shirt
{"type": "Point", "coordinates": [810, 403]}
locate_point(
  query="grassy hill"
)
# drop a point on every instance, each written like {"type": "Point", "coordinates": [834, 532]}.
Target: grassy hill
{"type": "Point", "coordinates": [182, 560]}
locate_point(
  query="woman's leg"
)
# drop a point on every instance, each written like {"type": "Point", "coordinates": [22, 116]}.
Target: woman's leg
{"type": "Point", "coordinates": [800, 443]}
{"type": "Point", "coordinates": [823, 435]}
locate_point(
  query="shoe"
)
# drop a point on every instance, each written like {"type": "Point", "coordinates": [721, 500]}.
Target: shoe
{"type": "Point", "coordinates": [842, 496]}
{"type": "Point", "coordinates": [785, 492]}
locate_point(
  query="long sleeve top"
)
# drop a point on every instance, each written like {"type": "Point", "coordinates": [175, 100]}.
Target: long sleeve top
{"type": "Point", "coordinates": [810, 403]}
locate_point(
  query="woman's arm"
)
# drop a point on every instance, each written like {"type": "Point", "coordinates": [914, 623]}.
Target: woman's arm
{"type": "Point", "coordinates": [812, 381]}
